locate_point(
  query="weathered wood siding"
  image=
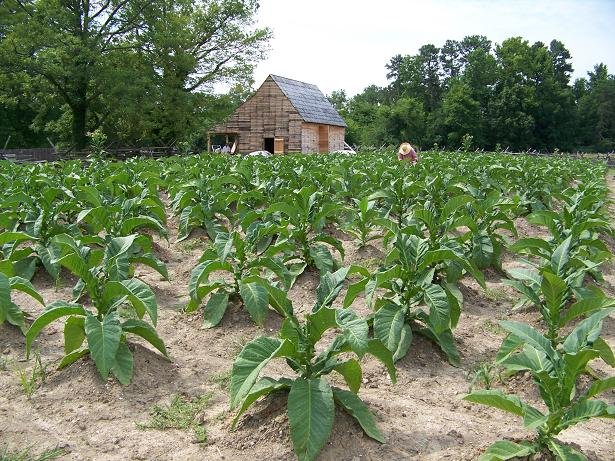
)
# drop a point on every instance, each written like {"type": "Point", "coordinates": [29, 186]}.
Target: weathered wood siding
{"type": "Point", "coordinates": [337, 135]}
{"type": "Point", "coordinates": [267, 114]}
{"type": "Point", "coordinates": [311, 142]}
{"type": "Point", "coordinates": [309, 138]}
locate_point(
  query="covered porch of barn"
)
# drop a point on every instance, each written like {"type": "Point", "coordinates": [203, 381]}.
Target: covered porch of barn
{"type": "Point", "coordinates": [217, 140]}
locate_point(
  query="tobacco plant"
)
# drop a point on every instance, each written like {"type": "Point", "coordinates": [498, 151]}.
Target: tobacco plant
{"type": "Point", "coordinates": [485, 219]}
{"type": "Point", "coordinates": [562, 260]}
{"type": "Point", "coordinates": [364, 221]}
{"type": "Point", "coordinates": [555, 372]}
{"type": "Point", "coordinates": [243, 260]}
{"type": "Point", "coordinates": [117, 304]}
{"type": "Point", "coordinates": [9, 311]}
{"type": "Point", "coordinates": [36, 220]}
{"type": "Point", "coordinates": [557, 301]}
{"type": "Point", "coordinates": [302, 216]}
{"type": "Point", "coordinates": [412, 296]}
{"type": "Point", "coordinates": [121, 216]}
{"type": "Point", "coordinates": [311, 399]}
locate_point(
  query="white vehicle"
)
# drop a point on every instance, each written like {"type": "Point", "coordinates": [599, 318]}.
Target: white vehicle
{"type": "Point", "coordinates": [346, 150]}
{"type": "Point", "coordinates": [259, 153]}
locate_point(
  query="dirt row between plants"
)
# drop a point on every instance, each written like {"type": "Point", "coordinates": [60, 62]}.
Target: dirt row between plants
{"type": "Point", "coordinates": [422, 416]}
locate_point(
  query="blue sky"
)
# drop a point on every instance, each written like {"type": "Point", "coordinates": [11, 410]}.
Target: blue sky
{"type": "Point", "coordinates": [345, 44]}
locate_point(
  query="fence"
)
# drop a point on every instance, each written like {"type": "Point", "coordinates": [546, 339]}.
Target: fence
{"type": "Point", "coordinates": [51, 154]}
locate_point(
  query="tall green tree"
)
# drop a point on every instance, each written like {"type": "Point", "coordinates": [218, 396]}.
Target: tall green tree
{"type": "Point", "coordinates": [95, 57]}
{"type": "Point", "coordinates": [62, 46]}
{"type": "Point", "coordinates": [596, 110]}
{"type": "Point", "coordinates": [461, 114]}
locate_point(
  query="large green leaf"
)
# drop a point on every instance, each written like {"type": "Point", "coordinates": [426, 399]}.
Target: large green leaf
{"type": "Point", "coordinates": [380, 351]}
{"type": "Point", "coordinates": [411, 249]}
{"type": "Point", "coordinates": [53, 312]}
{"type": "Point", "coordinates": [482, 250]}
{"type": "Point", "coordinates": [103, 341]}
{"type": "Point", "coordinates": [319, 322]}
{"type": "Point", "coordinates": [355, 407]}
{"type": "Point", "coordinates": [15, 237]}
{"type": "Point", "coordinates": [586, 306]}
{"type": "Point", "coordinates": [529, 275]}
{"type": "Point", "coordinates": [146, 331]}
{"type": "Point", "coordinates": [503, 450]}
{"type": "Point", "coordinates": [554, 290]}
{"type": "Point", "coordinates": [335, 243]}
{"type": "Point", "coordinates": [46, 256]}
{"type": "Point", "coordinates": [276, 267]}
{"type": "Point", "coordinates": [434, 257]}
{"type": "Point", "coordinates": [122, 368]}
{"type": "Point", "coordinates": [391, 329]}
{"type": "Point", "coordinates": [564, 452]}
{"type": "Point", "coordinates": [223, 245]}
{"type": "Point", "coordinates": [201, 272]}
{"type": "Point", "coordinates": [130, 225]}
{"type": "Point", "coordinates": [586, 331]}
{"type": "Point", "coordinates": [599, 386]}
{"type": "Point", "coordinates": [74, 333]}
{"type": "Point", "coordinates": [214, 309]}
{"type": "Point", "coordinates": [5, 297]}
{"type": "Point", "coordinates": [351, 371]}
{"type": "Point", "coordinates": [256, 300]}
{"type": "Point", "coordinates": [75, 263]}
{"type": "Point", "coordinates": [560, 257]}
{"type": "Point", "coordinates": [527, 334]}
{"type": "Point", "coordinates": [71, 358]}
{"type": "Point", "coordinates": [529, 359]}
{"type": "Point", "coordinates": [250, 361]}
{"type": "Point", "coordinates": [138, 293]}
{"type": "Point", "coordinates": [495, 398]}
{"type": "Point", "coordinates": [263, 386]}
{"type": "Point", "coordinates": [582, 411]}
{"type": "Point", "coordinates": [534, 245]}
{"type": "Point", "coordinates": [278, 299]}
{"type": "Point", "coordinates": [605, 351]}
{"type": "Point", "coordinates": [150, 260]}
{"type": "Point", "coordinates": [323, 260]}
{"type": "Point", "coordinates": [311, 410]}
{"type": "Point", "coordinates": [330, 286]}
{"type": "Point", "coordinates": [6, 267]}
{"type": "Point", "coordinates": [354, 290]}
{"type": "Point", "coordinates": [284, 208]}
{"type": "Point", "coordinates": [444, 340]}
{"type": "Point", "coordinates": [355, 330]}
{"type": "Point", "coordinates": [439, 308]}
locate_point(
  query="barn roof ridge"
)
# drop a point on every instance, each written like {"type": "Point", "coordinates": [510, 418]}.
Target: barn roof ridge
{"type": "Point", "coordinates": [310, 102]}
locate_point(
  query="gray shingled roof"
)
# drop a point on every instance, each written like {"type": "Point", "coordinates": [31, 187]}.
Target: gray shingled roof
{"type": "Point", "coordinates": [309, 101]}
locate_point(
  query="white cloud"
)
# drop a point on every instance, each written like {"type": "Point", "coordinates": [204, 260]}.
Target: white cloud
{"type": "Point", "coordinates": [344, 44]}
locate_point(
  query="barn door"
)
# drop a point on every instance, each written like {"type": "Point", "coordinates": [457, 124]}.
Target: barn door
{"type": "Point", "coordinates": [323, 138]}
{"type": "Point", "coordinates": [278, 146]}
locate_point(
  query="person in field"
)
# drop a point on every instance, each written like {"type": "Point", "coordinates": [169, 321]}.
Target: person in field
{"type": "Point", "coordinates": [406, 152]}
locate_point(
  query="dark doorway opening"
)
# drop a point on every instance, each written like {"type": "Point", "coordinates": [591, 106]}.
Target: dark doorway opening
{"type": "Point", "coordinates": [269, 144]}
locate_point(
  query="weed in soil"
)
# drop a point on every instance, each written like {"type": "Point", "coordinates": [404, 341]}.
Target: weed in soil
{"type": "Point", "coordinates": [181, 414]}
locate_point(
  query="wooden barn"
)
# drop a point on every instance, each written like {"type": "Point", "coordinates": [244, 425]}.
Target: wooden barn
{"type": "Point", "coordinates": [284, 116]}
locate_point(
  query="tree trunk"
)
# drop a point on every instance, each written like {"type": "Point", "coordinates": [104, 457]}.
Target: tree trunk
{"type": "Point", "coordinates": [80, 111]}
{"type": "Point", "coordinates": [80, 139]}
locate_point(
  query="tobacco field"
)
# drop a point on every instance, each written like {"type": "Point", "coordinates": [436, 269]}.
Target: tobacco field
{"type": "Point", "coordinates": [306, 307]}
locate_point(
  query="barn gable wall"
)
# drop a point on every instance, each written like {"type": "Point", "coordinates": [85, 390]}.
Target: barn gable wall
{"type": "Point", "coordinates": [310, 137]}
{"type": "Point", "coordinates": [267, 114]}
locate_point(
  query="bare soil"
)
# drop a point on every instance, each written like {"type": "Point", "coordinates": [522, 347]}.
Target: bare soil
{"type": "Point", "coordinates": [422, 416]}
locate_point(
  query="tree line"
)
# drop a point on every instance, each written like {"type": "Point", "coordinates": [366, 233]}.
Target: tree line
{"type": "Point", "coordinates": [514, 94]}
{"type": "Point", "coordinates": [143, 73]}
